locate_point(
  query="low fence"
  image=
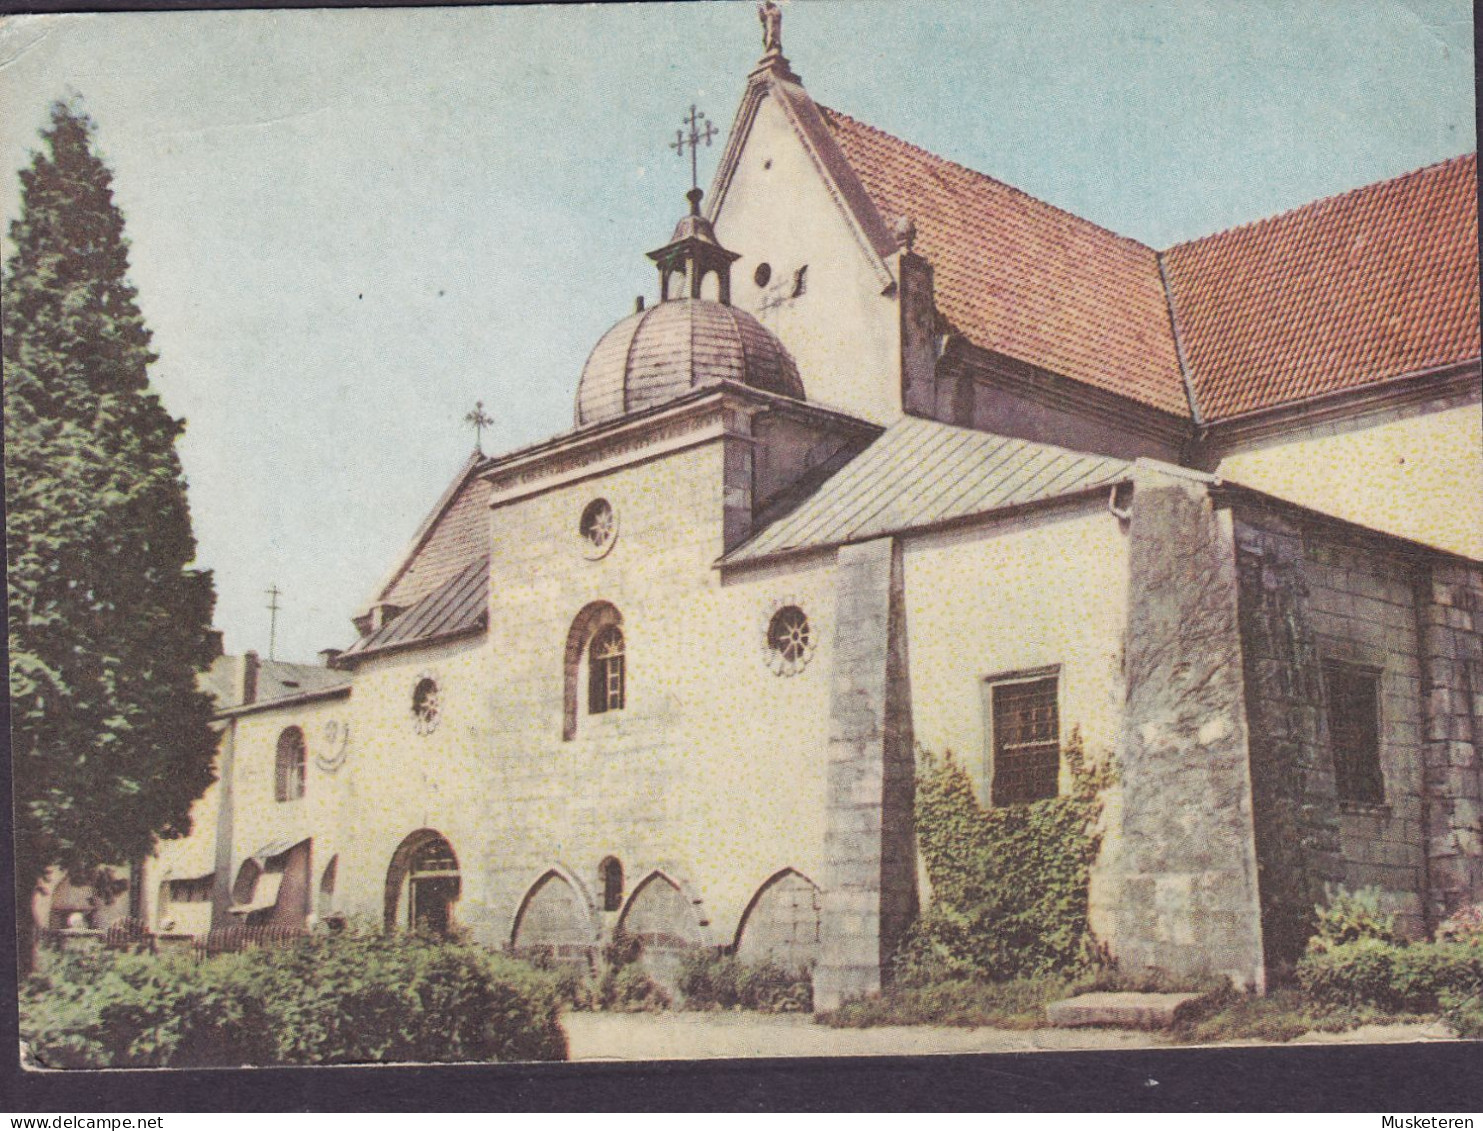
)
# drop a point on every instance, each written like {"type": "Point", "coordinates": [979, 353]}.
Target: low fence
{"type": "Point", "coordinates": [132, 935]}
{"type": "Point", "coordinates": [234, 940]}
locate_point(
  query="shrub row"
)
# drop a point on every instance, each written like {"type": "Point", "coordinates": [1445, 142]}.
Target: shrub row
{"type": "Point", "coordinates": [722, 981]}
{"type": "Point", "coordinates": [328, 1000]}
{"type": "Point", "coordinates": [1419, 978]}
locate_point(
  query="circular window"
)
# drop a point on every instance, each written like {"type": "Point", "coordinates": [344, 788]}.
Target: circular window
{"type": "Point", "coordinates": [790, 641]}
{"type": "Point", "coordinates": [763, 274]}
{"type": "Point", "coordinates": [598, 528]}
{"type": "Point", "coordinates": [426, 709]}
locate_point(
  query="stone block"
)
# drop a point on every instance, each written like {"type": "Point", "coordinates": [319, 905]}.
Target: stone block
{"type": "Point", "coordinates": [1121, 1010]}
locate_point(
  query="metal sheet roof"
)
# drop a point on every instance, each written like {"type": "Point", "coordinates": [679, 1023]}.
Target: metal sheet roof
{"type": "Point", "coordinates": [922, 473]}
{"type": "Point", "coordinates": [458, 605]}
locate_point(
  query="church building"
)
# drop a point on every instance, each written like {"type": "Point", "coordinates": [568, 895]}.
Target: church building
{"type": "Point", "coordinates": [899, 458]}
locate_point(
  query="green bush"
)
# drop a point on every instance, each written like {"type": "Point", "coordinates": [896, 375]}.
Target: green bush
{"type": "Point", "coordinates": [1412, 978]}
{"type": "Point", "coordinates": [1463, 1012]}
{"type": "Point", "coordinates": [328, 1000]}
{"type": "Point", "coordinates": [628, 989]}
{"type": "Point", "coordinates": [1108, 977]}
{"type": "Point", "coordinates": [709, 980]}
{"type": "Point", "coordinates": [1009, 884]}
{"type": "Point", "coordinates": [123, 1010]}
{"type": "Point", "coordinates": [1350, 916]}
{"type": "Point", "coordinates": [1016, 1004]}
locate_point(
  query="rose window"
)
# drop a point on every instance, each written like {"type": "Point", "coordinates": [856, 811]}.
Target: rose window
{"type": "Point", "coordinates": [598, 528]}
{"type": "Point", "coordinates": [790, 640]}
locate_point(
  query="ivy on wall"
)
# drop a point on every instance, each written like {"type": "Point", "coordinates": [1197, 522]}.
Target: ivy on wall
{"type": "Point", "coordinates": [1009, 885]}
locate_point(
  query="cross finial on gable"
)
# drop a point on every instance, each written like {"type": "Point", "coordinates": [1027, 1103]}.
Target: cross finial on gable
{"type": "Point", "coordinates": [480, 421]}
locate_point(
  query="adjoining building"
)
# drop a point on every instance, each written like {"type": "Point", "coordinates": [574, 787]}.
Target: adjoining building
{"type": "Point", "coordinates": [903, 457]}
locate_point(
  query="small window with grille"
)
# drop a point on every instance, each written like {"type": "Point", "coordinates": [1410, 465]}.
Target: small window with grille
{"type": "Point", "coordinates": [605, 675]}
{"type": "Point", "coordinates": [1354, 731]}
{"type": "Point", "coordinates": [1026, 748]}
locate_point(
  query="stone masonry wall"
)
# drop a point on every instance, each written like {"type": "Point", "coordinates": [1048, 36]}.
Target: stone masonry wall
{"type": "Point", "coordinates": [1362, 604]}
{"type": "Point", "coordinates": [1295, 818]}
{"type": "Point", "coordinates": [1184, 897]}
{"type": "Point", "coordinates": [869, 889]}
{"type": "Point", "coordinates": [1450, 608]}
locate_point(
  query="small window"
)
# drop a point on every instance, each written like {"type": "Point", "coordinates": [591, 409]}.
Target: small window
{"type": "Point", "coordinates": [1027, 741]}
{"type": "Point", "coordinates": [763, 274]}
{"type": "Point", "coordinates": [288, 778]}
{"type": "Point", "coordinates": [790, 640]}
{"type": "Point", "coordinates": [426, 706]}
{"type": "Point", "coordinates": [605, 671]}
{"type": "Point", "coordinates": [610, 873]}
{"type": "Point", "coordinates": [598, 528]}
{"type": "Point", "coordinates": [1354, 731]}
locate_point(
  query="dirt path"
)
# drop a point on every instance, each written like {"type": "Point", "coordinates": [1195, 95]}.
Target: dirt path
{"type": "Point", "coordinates": [707, 1036]}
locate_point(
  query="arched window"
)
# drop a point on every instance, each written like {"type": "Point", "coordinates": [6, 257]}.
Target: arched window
{"type": "Point", "coordinates": [605, 671]}
{"type": "Point", "coordinates": [610, 874]}
{"type": "Point", "coordinates": [288, 776]}
{"type": "Point", "coordinates": [594, 655]}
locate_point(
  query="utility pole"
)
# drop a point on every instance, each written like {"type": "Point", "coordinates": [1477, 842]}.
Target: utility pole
{"type": "Point", "coordinates": [273, 594]}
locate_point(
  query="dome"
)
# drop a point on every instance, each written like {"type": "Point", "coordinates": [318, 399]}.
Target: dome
{"type": "Point", "coordinates": [670, 349]}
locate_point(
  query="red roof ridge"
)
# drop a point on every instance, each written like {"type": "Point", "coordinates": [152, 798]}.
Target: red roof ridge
{"type": "Point", "coordinates": [1314, 205]}
{"type": "Point", "coordinates": [830, 112]}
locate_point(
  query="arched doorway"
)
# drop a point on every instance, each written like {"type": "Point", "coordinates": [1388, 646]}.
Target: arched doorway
{"type": "Point", "coordinates": [422, 884]}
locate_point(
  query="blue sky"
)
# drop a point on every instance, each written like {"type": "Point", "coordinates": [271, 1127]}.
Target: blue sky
{"type": "Point", "coordinates": [347, 226]}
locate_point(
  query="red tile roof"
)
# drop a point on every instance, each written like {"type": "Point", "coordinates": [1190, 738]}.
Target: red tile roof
{"type": "Point", "coordinates": [1376, 283]}
{"type": "Point", "coordinates": [1021, 277]}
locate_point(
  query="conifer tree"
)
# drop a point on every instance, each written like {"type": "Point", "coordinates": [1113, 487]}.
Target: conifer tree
{"type": "Point", "coordinates": [109, 626]}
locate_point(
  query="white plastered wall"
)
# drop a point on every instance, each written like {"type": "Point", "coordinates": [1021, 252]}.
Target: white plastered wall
{"type": "Point", "coordinates": [397, 781]}
{"type": "Point", "coordinates": [1040, 591]}
{"type": "Point", "coordinates": [843, 332]}
{"type": "Point", "coordinates": [1420, 476]}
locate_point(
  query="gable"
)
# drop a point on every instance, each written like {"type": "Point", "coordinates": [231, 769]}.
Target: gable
{"type": "Point", "coordinates": [454, 534]}
{"type": "Point", "coordinates": [827, 293]}
{"type": "Point", "coordinates": [1379, 282]}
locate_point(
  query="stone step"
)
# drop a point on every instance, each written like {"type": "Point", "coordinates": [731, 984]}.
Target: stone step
{"type": "Point", "coordinates": [1120, 1010]}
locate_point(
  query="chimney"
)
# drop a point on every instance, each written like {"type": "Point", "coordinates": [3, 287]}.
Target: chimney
{"type": "Point", "coordinates": [250, 667]}
{"type": "Point", "coordinates": [217, 647]}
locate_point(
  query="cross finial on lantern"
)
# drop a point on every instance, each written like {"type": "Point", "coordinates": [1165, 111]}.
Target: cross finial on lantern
{"type": "Point", "coordinates": [701, 130]}
{"type": "Point", "coordinates": [480, 421]}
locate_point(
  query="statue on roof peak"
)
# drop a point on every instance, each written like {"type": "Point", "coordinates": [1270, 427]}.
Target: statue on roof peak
{"type": "Point", "coordinates": [771, 18]}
